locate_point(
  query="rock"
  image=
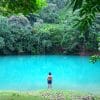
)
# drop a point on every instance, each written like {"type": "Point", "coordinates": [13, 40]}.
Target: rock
{"type": "Point", "coordinates": [82, 98]}
{"type": "Point", "coordinates": [55, 96]}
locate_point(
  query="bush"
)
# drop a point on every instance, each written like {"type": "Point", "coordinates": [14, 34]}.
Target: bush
{"type": "Point", "coordinates": [49, 14]}
{"type": "Point", "coordinates": [18, 37]}
{"type": "Point", "coordinates": [2, 43]}
{"type": "Point", "coordinates": [16, 34]}
{"type": "Point", "coordinates": [19, 25]}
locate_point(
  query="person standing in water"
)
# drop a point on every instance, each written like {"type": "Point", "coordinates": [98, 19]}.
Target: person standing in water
{"type": "Point", "coordinates": [49, 79]}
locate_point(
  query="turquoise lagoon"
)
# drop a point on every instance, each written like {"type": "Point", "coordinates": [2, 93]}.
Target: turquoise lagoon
{"type": "Point", "coordinates": [29, 73]}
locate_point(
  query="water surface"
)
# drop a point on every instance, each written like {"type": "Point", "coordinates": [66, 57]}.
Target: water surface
{"type": "Point", "coordinates": [30, 73]}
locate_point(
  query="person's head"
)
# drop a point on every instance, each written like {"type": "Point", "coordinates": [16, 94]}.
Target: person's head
{"type": "Point", "coordinates": [50, 73]}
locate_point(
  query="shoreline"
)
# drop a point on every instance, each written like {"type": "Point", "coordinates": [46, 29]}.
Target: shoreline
{"type": "Point", "coordinates": [47, 95]}
{"type": "Point", "coordinates": [59, 54]}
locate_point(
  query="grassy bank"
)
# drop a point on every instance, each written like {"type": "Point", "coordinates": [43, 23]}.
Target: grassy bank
{"type": "Point", "coordinates": [47, 95]}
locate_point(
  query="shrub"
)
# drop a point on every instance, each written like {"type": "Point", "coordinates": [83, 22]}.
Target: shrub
{"type": "Point", "coordinates": [49, 14]}
{"type": "Point", "coordinates": [16, 34]}
{"type": "Point", "coordinates": [2, 43]}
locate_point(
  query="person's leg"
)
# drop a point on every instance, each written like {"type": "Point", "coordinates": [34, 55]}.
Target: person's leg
{"type": "Point", "coordinates": [48, 86]}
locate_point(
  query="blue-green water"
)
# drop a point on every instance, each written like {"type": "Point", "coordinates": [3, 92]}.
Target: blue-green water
{"type": "Point", "coordinates": [30, 73]}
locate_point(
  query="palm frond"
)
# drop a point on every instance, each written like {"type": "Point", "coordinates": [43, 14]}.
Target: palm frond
{"type": "Point", "coordinates": [76, 4]}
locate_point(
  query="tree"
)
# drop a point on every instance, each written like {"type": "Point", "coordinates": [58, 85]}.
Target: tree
{"type": "Point", "coordinates": [20, 6]}
{"type": "Point", "coordinates": [88, 9]}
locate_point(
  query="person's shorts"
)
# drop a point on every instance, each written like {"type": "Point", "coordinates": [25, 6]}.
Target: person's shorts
{"type": "Point", "coordinates": [49, 81]}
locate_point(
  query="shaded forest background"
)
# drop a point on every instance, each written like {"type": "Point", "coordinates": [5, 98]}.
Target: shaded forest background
{"type": "Point", "coordinates": [49, 31]}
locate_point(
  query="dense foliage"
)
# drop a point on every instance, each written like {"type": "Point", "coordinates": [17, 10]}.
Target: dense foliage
{"type": "Point", "coordinates": [50, 31]}
{"type": "Point", "coordinates": [20, 6]}
{"type": "Point", "coordinates": [88, 11]}
{"type": "Point", "coordinates": [14, 34]}
{"type": "Point", "coordinates": [49, 14]}
{"type": "Point", "coordinates": [95, 58]}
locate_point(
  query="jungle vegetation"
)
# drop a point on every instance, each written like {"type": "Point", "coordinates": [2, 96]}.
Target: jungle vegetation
{"type": "Point", "coordinates": [49, 27]}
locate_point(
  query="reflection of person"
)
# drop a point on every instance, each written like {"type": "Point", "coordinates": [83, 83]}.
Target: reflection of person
{"type": "Point", "coordinates": [49, 80]}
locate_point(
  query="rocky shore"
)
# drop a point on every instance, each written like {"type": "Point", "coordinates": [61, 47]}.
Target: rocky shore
{"type": "Point", "coordinates": [47, 95]}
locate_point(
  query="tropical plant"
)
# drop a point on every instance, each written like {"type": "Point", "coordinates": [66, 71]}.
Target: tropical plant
{"type": "Point", "coordinates": [88, 10]}
{"type": "Point", "coordinates": [21, 6]}
{"type": "Point", "coordinates": [15, 35]}
{"type": "Point", "coordinates": [95, 58]}
{"type": "Point", "coordinates": [49, 13]}
{"type": "Point", "coordinates": [60, 3]}
{"type": "Point", "coordinates": [2, 43]}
